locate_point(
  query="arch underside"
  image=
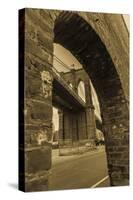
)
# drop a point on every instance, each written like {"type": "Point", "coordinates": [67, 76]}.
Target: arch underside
{"type": "Point", "coordinates": [81, 40]}
{"type": "Point", "coordinates": [76, 35]}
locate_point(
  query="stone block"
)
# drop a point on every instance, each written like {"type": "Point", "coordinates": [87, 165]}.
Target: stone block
{"type": "Point", "coordinates": [38, 159]}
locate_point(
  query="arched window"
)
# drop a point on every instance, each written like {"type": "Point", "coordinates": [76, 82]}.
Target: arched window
{"type": "Point", "coordinates": [95, 102]}
{"type": "Point", "coordinates": [81, 90]}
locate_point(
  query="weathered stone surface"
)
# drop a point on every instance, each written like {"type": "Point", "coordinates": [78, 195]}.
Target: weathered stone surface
{"type": "Point", "coordinates": [37, 159]}
{"type": "Point", "coordinates": [37, 181]}
{"type": "Point", "coordinates": [100, 43]}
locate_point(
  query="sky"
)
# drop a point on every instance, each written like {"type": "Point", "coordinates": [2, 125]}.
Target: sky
{"type": "Point", "coordinates": [65, 56]}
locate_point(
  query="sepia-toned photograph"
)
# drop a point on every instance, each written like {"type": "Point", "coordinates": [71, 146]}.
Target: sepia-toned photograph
{"type": "Point", "coordinates": [73, 100]}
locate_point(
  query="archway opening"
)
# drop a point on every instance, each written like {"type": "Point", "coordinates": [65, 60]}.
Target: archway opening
{"type": "Point", "coordinates": [75, 34]}
{"type": "Point", "coordinates": [65, 71]}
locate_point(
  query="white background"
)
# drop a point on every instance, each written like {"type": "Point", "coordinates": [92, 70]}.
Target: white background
{"type": "Point", "coordinates": [9, 98]}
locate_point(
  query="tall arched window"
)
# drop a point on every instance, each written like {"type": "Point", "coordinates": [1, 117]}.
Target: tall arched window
{"type": "Point", "coordinates": [95, 102]}
{"type": "Point", "coordinates": [81, 90]}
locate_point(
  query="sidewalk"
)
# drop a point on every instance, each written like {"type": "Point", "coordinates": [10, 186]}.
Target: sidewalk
{"type": "Point", "coordinates": [56, 159]}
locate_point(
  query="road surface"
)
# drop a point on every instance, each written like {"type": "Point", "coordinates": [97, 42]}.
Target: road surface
{"type": "Point", "coordinates": [79, 171]}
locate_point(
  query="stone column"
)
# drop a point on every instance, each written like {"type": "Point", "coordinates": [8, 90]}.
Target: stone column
{"type": "Point", "coordinates": [35, 67]}
{"type": "Point", "coordinates": [82, 125]}
{"type": "Point", "coordinates": [116, 128]}
{"type": "Point", "coordinates": [73, 71]}
{"type": "Point", "coordinates": [90, 116]}
{"type": "Point", "coordinates": [90, 123]}
{"type": "Point", "coordinates": [61, 132]}
{"type": "Point", "coordinates": [66, 147]}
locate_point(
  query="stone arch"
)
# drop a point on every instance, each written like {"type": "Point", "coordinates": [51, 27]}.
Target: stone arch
{"type": "Point", "coordinates": [78, 36]}
{"type": "Point", "coordinates": [94, 39]}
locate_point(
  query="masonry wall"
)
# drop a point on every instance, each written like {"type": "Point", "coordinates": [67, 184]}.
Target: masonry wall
{"type": "Point", "coordinates": [37, 99]}
{"type": "Point", "coordinates": [79, 127]}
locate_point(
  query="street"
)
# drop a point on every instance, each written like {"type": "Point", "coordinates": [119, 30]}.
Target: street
{"type": "Point", "coordinates": [79, 171]}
